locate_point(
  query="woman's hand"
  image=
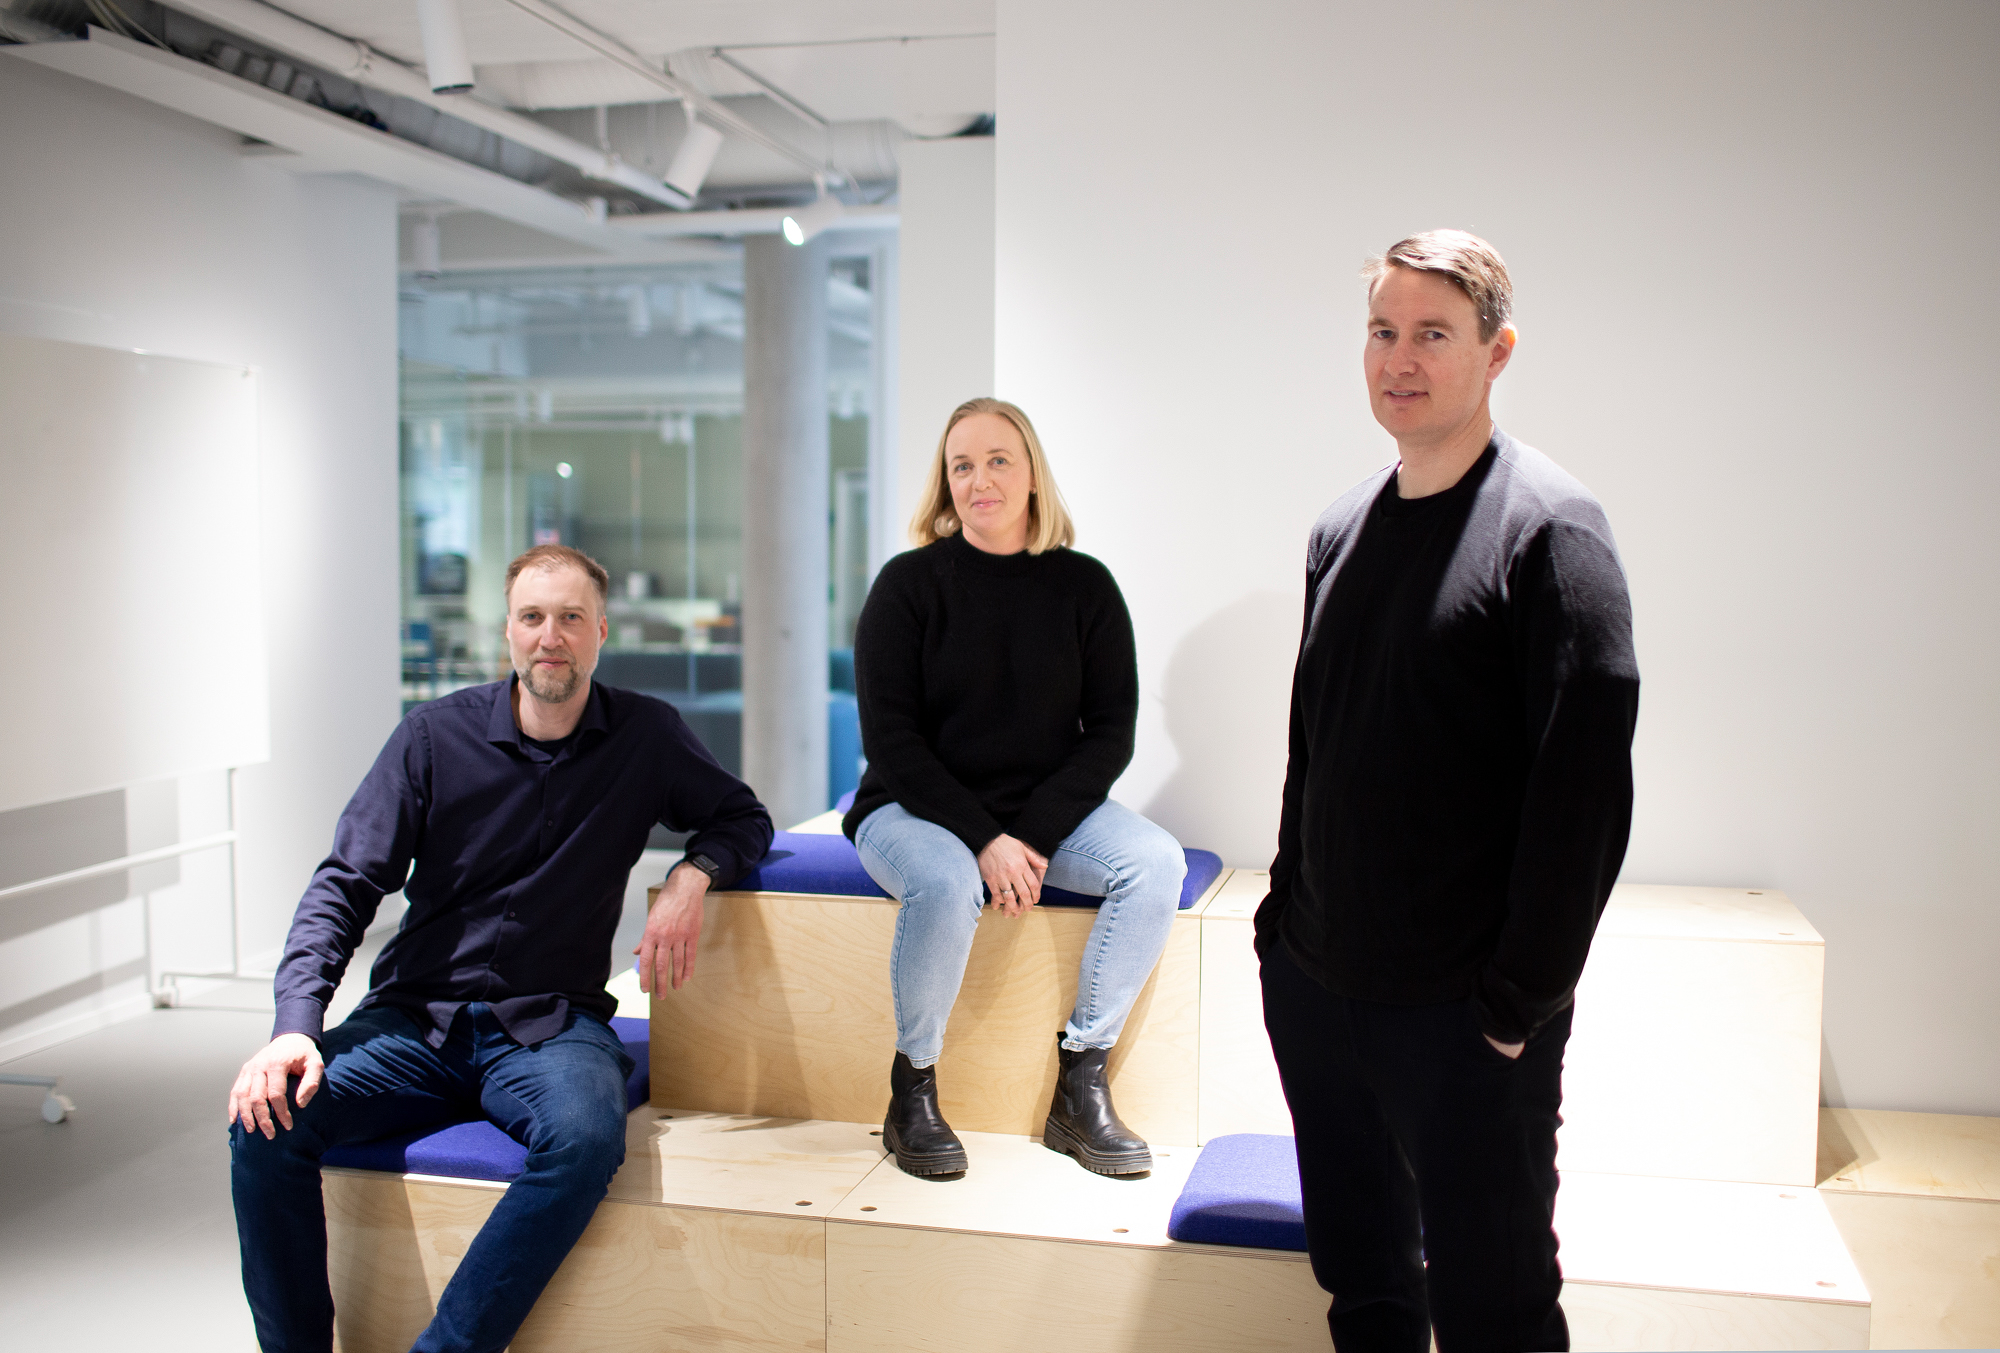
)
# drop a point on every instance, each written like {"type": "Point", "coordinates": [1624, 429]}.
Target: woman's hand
{"type": "Point", "coordinates": [1013, 872]}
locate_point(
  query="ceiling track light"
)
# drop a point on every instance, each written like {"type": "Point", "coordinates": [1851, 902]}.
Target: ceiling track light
{"type": "Point", "coordinates": [445, 55]}
{"type": "Point", "coordinates": [693, 158]}
{"type": "Point", "coordinates": [425, 248]}
{"type": "Point", "coordinates": [801, 225]}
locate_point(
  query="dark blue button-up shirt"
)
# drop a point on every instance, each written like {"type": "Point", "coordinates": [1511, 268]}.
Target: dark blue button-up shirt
{"type": "Point", "coordinates": [521, 859]}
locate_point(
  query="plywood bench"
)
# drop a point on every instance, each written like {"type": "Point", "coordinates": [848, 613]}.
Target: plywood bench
{"type": "Point", "coordinates": [1917, 1196]}
{"type": "Point", "coordinates": [748, 1233]}
{"type": "Point", "coordinates": [1695, 1052]}
{"type": "Point", "coordinates": [789, 1013]}
{"type": "Point", "coordinates": [713, 1236]}
{"type": "Point", "coordinates": [757, 1211]}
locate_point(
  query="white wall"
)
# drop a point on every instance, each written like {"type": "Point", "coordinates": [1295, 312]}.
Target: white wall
{"type": "Point", "coordinates": [128, 226]}
{"type": "Point", "coordinates": [1753, 251]}
{"type": "Point", "coordinates": [945, 300]}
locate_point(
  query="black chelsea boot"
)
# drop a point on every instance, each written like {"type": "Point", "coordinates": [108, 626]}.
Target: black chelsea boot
{"type": "Point", "coordinates": [915, 1130]}
{"type": "Point", "coordinates": [1082, 1124]}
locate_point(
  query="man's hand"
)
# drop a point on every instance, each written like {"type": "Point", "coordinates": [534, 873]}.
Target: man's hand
{"type": "Point", "coordinates": [1013, 872]}
{"type": "Point", "coordinates": [259, 1092]}
{"type": "Point", "coordinates": [673, 926]}
{"type": "Point", "coordinates": [1504, 1049]}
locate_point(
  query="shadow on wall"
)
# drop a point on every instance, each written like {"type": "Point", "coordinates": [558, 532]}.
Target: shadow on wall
{"type": "Point", "coordinates": [1227, 694]}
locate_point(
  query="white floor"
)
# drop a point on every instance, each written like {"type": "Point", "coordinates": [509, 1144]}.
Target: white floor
{"type": "Point", "coordinates": [115, 1227]}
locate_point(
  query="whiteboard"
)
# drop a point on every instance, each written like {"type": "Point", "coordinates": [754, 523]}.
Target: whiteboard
{"type": "Point", "coordinates": [128, 500]}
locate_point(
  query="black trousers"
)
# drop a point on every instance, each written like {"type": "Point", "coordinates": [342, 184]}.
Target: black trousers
{"type": "Point", "coordinates": [1428, 1165]}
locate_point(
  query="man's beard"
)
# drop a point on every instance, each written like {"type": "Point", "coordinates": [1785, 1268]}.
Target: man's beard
{"type": "Point", "coordinates": [547, 687]}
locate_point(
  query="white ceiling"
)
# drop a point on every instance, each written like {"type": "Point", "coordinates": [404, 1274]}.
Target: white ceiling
{"type": "Point", "coordinates": [497, 33]}
{"type": "Point", "coordinates": [847, 82]}
{"type": "Point", "coordinates": [842, 82]}
{"type": "Point", "coordinates": [846, 60]}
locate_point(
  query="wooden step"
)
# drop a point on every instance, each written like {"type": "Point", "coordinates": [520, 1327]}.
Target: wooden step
{"type": "Point", "coordinates": [1917, 1198]}
{"type": "Point", "coordinates": [1695, 1051]}
{"type": "Point", "coordinates": [725, 1231]}
{"type": "Point", "coordinates": [790, 1014]}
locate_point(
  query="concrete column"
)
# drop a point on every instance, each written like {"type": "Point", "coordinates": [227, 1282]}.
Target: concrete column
{"type": "Point", "coordinates": [945, 299]}
{"type": "Point", "coordinates": [785, 513]}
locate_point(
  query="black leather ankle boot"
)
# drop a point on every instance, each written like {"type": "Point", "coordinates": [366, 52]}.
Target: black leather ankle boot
{"type": "Point", "coordinates": [915, 1130]}
{"type": "Point", "coordinates": [1082, 1122]}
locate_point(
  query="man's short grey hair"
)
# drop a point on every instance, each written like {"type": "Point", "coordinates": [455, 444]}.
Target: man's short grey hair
{"type": "Point", "coordinates": [1470, 263]}
{"type": "Point", "coordinates": [548, 557]}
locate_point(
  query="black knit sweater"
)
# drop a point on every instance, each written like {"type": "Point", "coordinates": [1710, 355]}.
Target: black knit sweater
{"type": "Point", "coordinates": [998, 693]}
{"type": "Point", "coordinates": [1460, 786]}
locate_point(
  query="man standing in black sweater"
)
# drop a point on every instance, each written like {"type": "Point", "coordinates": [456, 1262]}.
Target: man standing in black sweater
{"type": "Point", "coordinates": [1455, 812]}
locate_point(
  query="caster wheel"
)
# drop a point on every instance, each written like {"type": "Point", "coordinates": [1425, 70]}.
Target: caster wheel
{"type": "Point", "coordinates": [56, 1108]}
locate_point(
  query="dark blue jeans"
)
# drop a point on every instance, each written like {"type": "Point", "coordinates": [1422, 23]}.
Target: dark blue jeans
{"type": "Point", "coordinates": [1428, 1166]}
{"type": "Point", "coordinates": [563, 1099]}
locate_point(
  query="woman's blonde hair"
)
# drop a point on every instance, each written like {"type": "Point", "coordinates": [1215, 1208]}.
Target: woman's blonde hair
{"type": "Point", "coordinates": [1049, 524]}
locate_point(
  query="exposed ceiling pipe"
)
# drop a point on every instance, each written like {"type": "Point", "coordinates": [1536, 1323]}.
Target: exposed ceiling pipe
{"type": "Point", "coordinates": [754, 221]}
{"type": "Point", "coordinates": [357, 62]}
{"type": "Point", "coordinates": [720, 114]}
{"type": "Point", "coordinates": [21, 28]}
{"type": "Point", "coordinates": [292, 134]}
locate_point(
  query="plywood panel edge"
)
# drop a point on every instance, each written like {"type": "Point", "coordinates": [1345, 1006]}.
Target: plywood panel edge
{"type": "Point", "coordinates": [1215, 885]}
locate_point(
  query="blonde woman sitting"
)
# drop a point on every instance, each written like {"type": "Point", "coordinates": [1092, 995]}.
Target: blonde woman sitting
{"type": "Point", "coordinates": [999, 692]}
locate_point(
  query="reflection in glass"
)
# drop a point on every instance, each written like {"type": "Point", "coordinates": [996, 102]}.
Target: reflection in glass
{"type": "Point", "coordinates": [603, 408]}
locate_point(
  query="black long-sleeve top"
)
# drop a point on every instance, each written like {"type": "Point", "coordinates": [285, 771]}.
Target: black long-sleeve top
{"type": "Point", "coordinates": [998, 693]}
{"type": "Point", "coordinates": [1459, 792]}
{"type": "Point", "coordinates": [521, 859]}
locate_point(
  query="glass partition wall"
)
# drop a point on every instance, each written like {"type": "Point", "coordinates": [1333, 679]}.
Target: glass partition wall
{"type": "Point", "coordinates": [603, 408]}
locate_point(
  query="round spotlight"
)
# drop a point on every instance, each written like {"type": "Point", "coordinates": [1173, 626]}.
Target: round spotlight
{"type": "Point", "coordinates": [426, 253]}
{"type": "Point", "coordinates": [565, 469]}
{"type": "Point", "coordinates": [800, 226]}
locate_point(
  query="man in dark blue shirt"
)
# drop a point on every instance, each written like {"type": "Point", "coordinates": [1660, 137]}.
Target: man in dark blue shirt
{"type": "Point", "coordinates": [522, 807]}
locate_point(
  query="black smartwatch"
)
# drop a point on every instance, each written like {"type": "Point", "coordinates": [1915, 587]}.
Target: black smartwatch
{"type": "Point", "coordinates": [706, 866]}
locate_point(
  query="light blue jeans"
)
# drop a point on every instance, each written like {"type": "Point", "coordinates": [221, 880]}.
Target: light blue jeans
{"type": "Point", "coordinates": [1114, 854]}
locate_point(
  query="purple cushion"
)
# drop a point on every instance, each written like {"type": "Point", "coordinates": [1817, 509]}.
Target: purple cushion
{"type": "Point", "coordinates": [1243, 1190]}
{"type": "Point", "coordinates": [479, 1150]}
{"type": "Point", "coordinates": [635, 1033]}
{"type": "Point", "coordinates": [462, 1151]}
{"type": "Point", "coordinates": [1202, 867]}
{"type": "Point", "coordinates": [807, 862]}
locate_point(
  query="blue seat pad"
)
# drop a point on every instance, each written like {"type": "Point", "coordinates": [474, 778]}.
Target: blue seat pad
{"type": "Point", "coordinates": [478, 1149]}
{"type": "Point", "coordinates": [808, 862]}
{"type": "Point", "coordinates": [1243, 1190]}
